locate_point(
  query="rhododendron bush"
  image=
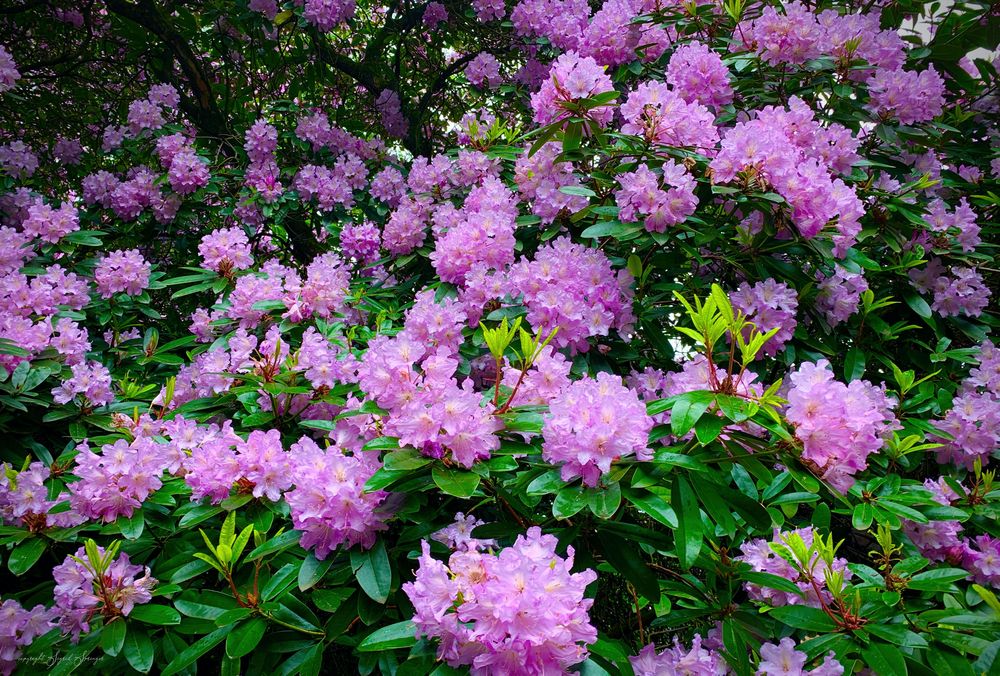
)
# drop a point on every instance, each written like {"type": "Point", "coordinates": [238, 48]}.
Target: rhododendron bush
{"type": "Point", "coordinates": [526, 337]}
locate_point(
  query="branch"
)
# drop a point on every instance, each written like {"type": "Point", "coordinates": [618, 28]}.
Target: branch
{"type": "Point", "coordinates": [205, 112]}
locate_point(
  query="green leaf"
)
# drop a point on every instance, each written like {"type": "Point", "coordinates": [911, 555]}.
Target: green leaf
{"type": "Point", "coordinates": [578, 190]}
{"type": "Point", "coordinates": [568, 502]}
{"type": "Point", "coordinates": [939, 579]}
{"type": "Point", "coordinates": [312, 571]}
{"type": "Point", "coordinates": [897, 634]}
{"type": "Point", "coordinates": [456, 482]}
{"type": "Point", "coordinates": [689, 534]}
{"type": "Point", "coordinates": [203, 611]}
{"type": "Point", "coordinates": [654, 506]}
{"type": "Point", "coordinates": [687, 410]}
{"type": "Point", "coordinates": [399, 635]}
{"type": "Point", "coordinates": [113, 637]}
{"type": "Point", "coordinates": [25, 555]}
{"type": "Point", "coordinates": [131, 528]}
{"type": "Point", "coordinates": [884, 660]}
{"type": "Point", "coordinates": [918, 304]}
{"type": "Point", "coordinates": [604, 501]}
{"type": "Point", "coordinates": [373, 572]}
{"type": "Point", "coordinates": [804, 617]}
{"type": "Point", "coordinates": [276, 544]}
{"type": "Point", "coordinates": [329, 600]}
{"type": "Point", "coordinates": [627, 560]}
{"type": "Point", "coordinates": [854, 364]}
{"type": "Point", "coordinates": [138, 650]}
{"type": "Point", "coordinates": [615, 229]}
{"type": "Point", "coordinates": [863, 516]}
{"type": "Point", "coordinates": [245, 637]}
{"type": "Point", "coordinates": [405, 459]}
{"type": "Point", "coordinates": [190, 655]}
{"type": "Point", "coordinates": [152, 613]}
{"type": "Point", "coordinates": [771, 581]}
{"type": "Point", "coordinates": [708, 428]}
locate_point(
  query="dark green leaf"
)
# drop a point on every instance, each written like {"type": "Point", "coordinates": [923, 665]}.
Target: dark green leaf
{"type": "Point", "coordinates": [804, 617]}
{"type": "Point", "coordinates": [460, 483]}
{"type": "Point", "coordinates": [312, 571]}
{"type": "Point", "coordinates": [152, 613]}
{"type": "Point", "coordinates": [25, 555]}
{"type": "Point", "coordinates": [399, 635]}
{"type": "Point", "coordinates": [138, 650]}
{"type": "Point", "coordinates": [372, 569]}
{"type": "Point", "coordinates": [687, 410]}
{"type": "Point", "coordinates": [190, 655]}
{"type": "Point", "coordinates": [689, 534]}
{"type": "Point", "coordinates": [627, 560]}
{"type": "Point", "coordinates": [245, 637]}
{"type": "Point", "coordinates": [113, 636]}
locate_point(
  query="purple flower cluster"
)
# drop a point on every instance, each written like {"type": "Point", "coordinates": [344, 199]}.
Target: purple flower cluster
{"type": "Point", "coordinates": [329, 504]}
{"type": "Point", "coordinates": [793, 36]}
{"type": "Point", "coordinates": [957, 290]}
{"type": "Point", "coordinates": [258, 466]}
{"type": "Point", "coordinates": [483, 70]}
{"type": "Point", "coordinates": [612, 38]}
{"type": "Point", "coordinates": [457, 536]}
{"type": "Point", "coordinates": [263, 173]}
{"type": "Point", "coordinates": [973, 423]}
{"type": "Point", "coordinates": [121, 271]}
{"type": "Point", "coordinates": [539, 178]}
{"type": "Point", "coordinates": [762, 558]}
{"type": "Point", "coordinates": [641, 195]}
{"type": "Point", "coordinates": [17, 159]}
{"type": "Point", "coordinates": [90, 381]}
{"type": "Point", "coordinates": [839, 294]}
{"type": "Point", "coordinates": [49, 224]}
{"type": "Point", "coordinates": [698, 75]}
{"type": "Point", "coordinates": [118, 480]}
{"type": "Point", "coordinates": [389, 186]}
{"type": "Point", "coordinates": [24, 500]}
{"type": "Point", "coordinates": [938, 540]}
{"type": "Point", "coordinates": [561, 21]}
{"type": "Point", "coordinates": [662, 115]}
{"type": "Point", "coordinates": [412, 375]}
{"type": "Point", "coordinates": [328, 14]}
{"type": "Point", "coordinates": [487, 10]}
{"type": "Point", "coordinates": [361, 242]}
{"type": "Point", "coordinates": [568, 286]}
{"type": "Point", "coordinates": [522, 611]}
{"type": "Point", "coordinates": [593, 423]}
{"type": "Point", "coordinates": [8, 71]}
{"type": "Point", "coordinates": [330, 187]}
{"type": "Point", "coordinates": [479, 234]}
{"type": "Point", "coordinates": [572, 77]}
{"type": "Point", "coordinates": [839, 425]}
{"type": "Point", "coordinates": [19, 627]}
{"type": "Point", "coordinates": [790, 151]}
{"type": "Point", "coordinates": [434, 14]}
{"type": "Point", "coordinates": [982, 559]}
{"type": "Point", "coordinates": [907, 96]}
{"type": "Point", "coordinates": [783, 659]}
{"type": "Point", "coordinates": [80, 593]}
{"type": "Point", "coordinates": [547, 378]}
{"type": "Point", "coordinates": [68, 151]}
{"type": "Point", "coordinates": [391, 110]}
{"type": "Point", "coordinates": [769, 305]}
{"type": "Point", "coordinates": [698, 660]}
{"type": "Point", "coordinates": [960, 222]}
{"type": "Point", "coordinates": [225, 250]}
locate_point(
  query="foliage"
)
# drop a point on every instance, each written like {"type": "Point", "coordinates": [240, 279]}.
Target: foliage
{"type": "Point", "coordinates": [427, 337]}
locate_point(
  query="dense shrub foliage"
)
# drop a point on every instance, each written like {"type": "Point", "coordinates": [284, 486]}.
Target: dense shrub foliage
{"type": "Point", "coordinates": [506, 338]}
